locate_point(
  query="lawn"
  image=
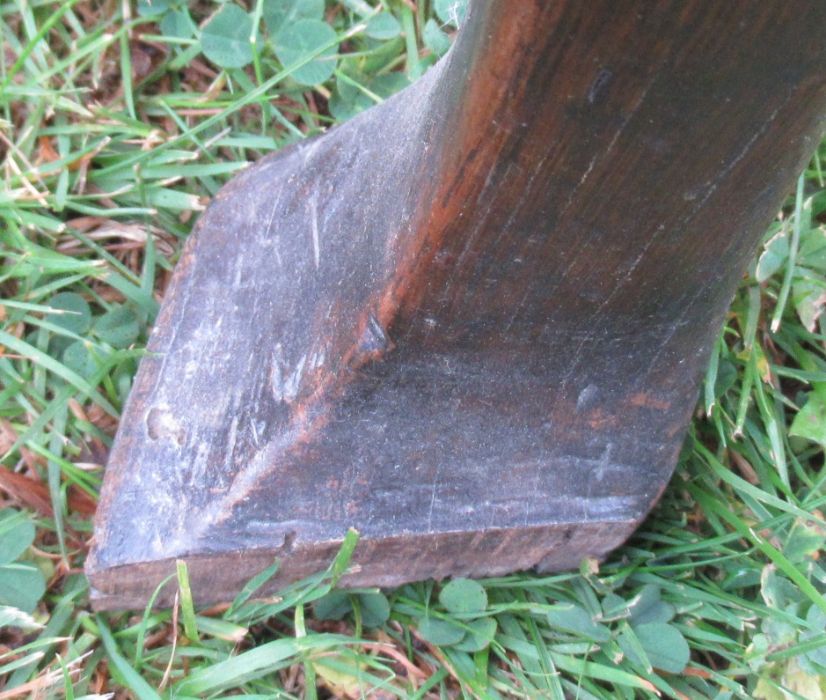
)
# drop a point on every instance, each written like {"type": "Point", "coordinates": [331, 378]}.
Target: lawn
{"type": "Point", "coordinates": [118, 122]}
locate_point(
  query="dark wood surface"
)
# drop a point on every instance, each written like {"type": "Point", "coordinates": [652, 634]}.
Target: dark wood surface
{"type": "Point", "coordinates": [471, 322]}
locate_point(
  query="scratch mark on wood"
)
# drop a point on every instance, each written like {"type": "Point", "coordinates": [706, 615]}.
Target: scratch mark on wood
{"type": "Point", "coordinates": [434, 494]}
{"type": "Point", "coordinates": [268, 228]}
{"type": "Point", "coordinates": [603, 77]}
{"type": "Point", "coordinates": [314, 224]}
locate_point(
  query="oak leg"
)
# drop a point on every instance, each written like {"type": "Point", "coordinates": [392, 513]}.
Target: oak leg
{"type": "Point", "coordinates": [469, 323]}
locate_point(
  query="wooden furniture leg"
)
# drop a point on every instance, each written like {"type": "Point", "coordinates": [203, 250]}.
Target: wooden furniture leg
{"type": "Point", "coordinates": [470, 322]}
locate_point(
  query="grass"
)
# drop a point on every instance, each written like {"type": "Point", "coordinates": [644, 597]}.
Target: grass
{"type": "Point", "coordinates": [115, 130]}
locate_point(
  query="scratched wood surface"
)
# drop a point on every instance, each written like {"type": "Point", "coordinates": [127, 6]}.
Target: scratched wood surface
{"type": "Point", "coordinates": [470, 322]}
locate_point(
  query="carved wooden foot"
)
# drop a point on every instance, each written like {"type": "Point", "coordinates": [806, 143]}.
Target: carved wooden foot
{"type": "Point", "coordinates": [469, 323]}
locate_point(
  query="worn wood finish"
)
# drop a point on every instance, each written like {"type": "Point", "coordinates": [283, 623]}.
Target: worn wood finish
{"type": "Point", "coordinates": [470, 322]}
